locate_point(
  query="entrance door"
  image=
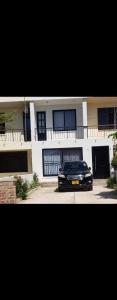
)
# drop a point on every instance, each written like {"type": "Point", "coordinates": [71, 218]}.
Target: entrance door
{"type": "Point", "coordinates": [100, 158]}
{"type": "Point", "coordinates": [41, 125]}
{"type": "Point", "coordinates": [27, 127]}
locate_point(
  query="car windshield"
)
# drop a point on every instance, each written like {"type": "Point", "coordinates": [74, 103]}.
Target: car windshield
{"type": "Point", "coordinates": [75, 166]}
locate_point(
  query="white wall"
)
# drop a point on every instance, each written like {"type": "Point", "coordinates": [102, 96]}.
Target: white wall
{"type": "Point", "coordinates": [49, 116]}
{"type": "Point", "coordinates": [86, 145]}
{"type": "Point", "coordinates": [53, 135]}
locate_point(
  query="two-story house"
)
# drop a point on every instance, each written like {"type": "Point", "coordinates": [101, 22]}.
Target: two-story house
{"type": "Point", "coordinates": [48, 131]}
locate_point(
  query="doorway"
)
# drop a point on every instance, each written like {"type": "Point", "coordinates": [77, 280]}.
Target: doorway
{"type": "Point", "coordinates": [100, 159]}
{"type": "Point", "coordinates": [41, 125]}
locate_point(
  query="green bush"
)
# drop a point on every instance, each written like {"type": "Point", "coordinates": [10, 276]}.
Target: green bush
{"type": "Point", "coordinates": [111, 182]}
{"type": "Point", "coordinates": [21, 188]}
{"type": "Point", "coordinates": [35, 178]}
{"type": "Point", "coordinates": [114, 161]}
{"type": "Point", "coordinates": [35, 182]}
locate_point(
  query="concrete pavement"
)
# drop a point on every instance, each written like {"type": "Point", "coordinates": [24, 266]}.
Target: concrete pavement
{"type": "Point", "coordinates": [49, 195]}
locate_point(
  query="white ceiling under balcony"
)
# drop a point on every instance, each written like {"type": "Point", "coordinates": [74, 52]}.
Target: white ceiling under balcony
{"type": "Point", "coordinates": [20, 101]}
{"type": "Point", "coordinates": [56, 100]}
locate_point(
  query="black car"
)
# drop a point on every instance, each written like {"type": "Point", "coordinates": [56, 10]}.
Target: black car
{"type": "Point", "coordinates": [75, 175]}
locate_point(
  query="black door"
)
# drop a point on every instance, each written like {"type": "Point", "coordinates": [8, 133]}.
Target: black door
{"type": "Point", "coordinates": [41, 125]}
{"type": "Point", "coordinates": [27, 127]}
{"type": "Point", "coordinates": [100, 158]}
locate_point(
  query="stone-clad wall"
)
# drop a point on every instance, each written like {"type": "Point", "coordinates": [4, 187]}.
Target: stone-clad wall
{"type": "Point", "coordinates": [7, 191]}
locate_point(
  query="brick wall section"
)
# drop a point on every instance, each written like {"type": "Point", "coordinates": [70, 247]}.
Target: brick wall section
{"type": "Point", "coordinates": [7, 192]}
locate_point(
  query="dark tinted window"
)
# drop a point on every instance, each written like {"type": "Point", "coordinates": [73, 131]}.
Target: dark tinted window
{"type": "Point", "coordinates": [64, 120]}
{"type": "Point", "coordinates": [106, 118]}
{"type": "Point", "coordinates": [77, 166]}
{"type": "Point", "coordinates": [13, 162]}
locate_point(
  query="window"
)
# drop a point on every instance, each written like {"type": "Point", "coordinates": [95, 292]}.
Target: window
{"type": "Point", "coordinates": [2, 128]}
{"type": "Point", "coordinates": [54, 158]}
{"type": "Point", "coordinates": [13, 162]}
{"type": "Point", "coordinates": [41, 125]}
{"type": "Point", "coordinates": [107, 118]}
{"type": "Point", "coordinates": [64, 120]}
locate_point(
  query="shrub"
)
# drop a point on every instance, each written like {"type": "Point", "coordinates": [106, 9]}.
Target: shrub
{"type": "Point", "coordinates": [114, 162]}
{"type": "Point", "coordinates": [21, 188]}
{"type": "Point", "coordinates": [35, 182]}
{"type": "Point", "coordinates": [111, 182]}
{"type": "Point", "coordinates": [35, 178]}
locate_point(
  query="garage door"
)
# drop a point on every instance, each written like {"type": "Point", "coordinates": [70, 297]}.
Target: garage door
{"type": "Point", "coordinates": [54, 158]}
{"type": "Point", "coordinates": [13, 162]}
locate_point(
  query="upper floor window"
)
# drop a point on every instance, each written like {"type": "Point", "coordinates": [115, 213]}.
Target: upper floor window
{"type": "Point", "coordinates": [64, 120]}
{"type": "Point", "coordinates": [107, 118]}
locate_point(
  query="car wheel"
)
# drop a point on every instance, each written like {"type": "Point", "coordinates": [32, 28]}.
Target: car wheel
{"type": "Point", "coordinates": [90, 188]}
{"type": "Point", "coordinates": [59, 189]}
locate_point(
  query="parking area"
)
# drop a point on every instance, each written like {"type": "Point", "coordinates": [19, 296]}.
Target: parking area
{"type": "Point", "coordinates": [50, 195]}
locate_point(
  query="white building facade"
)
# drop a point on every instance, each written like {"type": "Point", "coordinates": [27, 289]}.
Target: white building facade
{"type": "Point", "coordinates": [47, 131]}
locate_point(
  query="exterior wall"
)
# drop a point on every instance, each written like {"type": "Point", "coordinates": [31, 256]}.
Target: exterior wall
{"type": "Point", "coordinates": [86, 145]}
{"type": "Point", "coordinates": [49, 121]}
{"type": "Point", "coordinates": [17, 123]}
{"type": "Point", "coordinates": [92, 111]}
{"type": "Point", "coordinates": [93, 118]}
{"type": "Point", "coordinates": [14, 136]}
{"type": "Point", "coordinates": [57, 140]}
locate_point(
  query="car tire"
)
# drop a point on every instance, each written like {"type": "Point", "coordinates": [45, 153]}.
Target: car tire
{"type": "Point", "coordinates": [90, 188]}
{"type": "Point", "coordinates": [59, 189]}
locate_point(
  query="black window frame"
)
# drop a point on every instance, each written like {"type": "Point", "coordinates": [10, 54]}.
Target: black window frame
{"type": "Point", "coordinates": [65, 129]}
{"type": "Point", "coordinates": [106, 126]}
{"type": "Point", "coordinates": [45, 137]}
{"type": "Point", "coordinates": [62, 154]}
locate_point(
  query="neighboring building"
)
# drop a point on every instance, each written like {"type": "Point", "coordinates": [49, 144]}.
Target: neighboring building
{"type": "Point", "coordinates": [47, 131]}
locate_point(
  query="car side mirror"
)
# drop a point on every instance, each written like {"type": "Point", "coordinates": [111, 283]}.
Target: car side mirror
{"type": "Point", "coordinates": [89, 168]}
{"type": "Point", "coordinates": [60, 170]}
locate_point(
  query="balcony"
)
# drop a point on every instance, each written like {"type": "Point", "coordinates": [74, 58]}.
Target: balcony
{"type": "Point", "coordinates": [14, 138]}
{"type": "Point", "coordinates": [101, 131]}
{"type": "Point", "coordinates": [52, 135]}
{"type": "Point", "coordinates": [81, 132]}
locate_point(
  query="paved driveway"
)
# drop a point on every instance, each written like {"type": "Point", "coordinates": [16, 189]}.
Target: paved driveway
{"type": "Point", "coordinates": [49, 195]}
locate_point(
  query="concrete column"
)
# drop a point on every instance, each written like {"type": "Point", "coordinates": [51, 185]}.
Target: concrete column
{"type": "Point", "coordinates": [84, 115]}
{"type": "Point", "coordinates": [33, 121]}
{"type": "Point", "coordinates": [29, 161]}
{"type": "Point", "coordinates": [87, 155]}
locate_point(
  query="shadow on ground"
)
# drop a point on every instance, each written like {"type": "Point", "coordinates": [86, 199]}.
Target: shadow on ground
{"type": "Point", "coordinates": [108, 195]}
{"type": "Point", "coordinates": [70, 191]}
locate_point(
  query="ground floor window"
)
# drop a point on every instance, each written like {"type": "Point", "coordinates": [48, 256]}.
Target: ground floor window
{"type": "Point", "coordinates": [54, 158]}
{"type": "Point", "coordinates": [15, 161]}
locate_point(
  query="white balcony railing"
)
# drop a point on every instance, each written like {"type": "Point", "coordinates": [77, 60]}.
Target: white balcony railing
{"type": "Point", "coordinates": [48, 134]}
{"type": "Point", "coordinates": [81, 132]}
{"type": "Point", "coordinates": [14, 135]}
